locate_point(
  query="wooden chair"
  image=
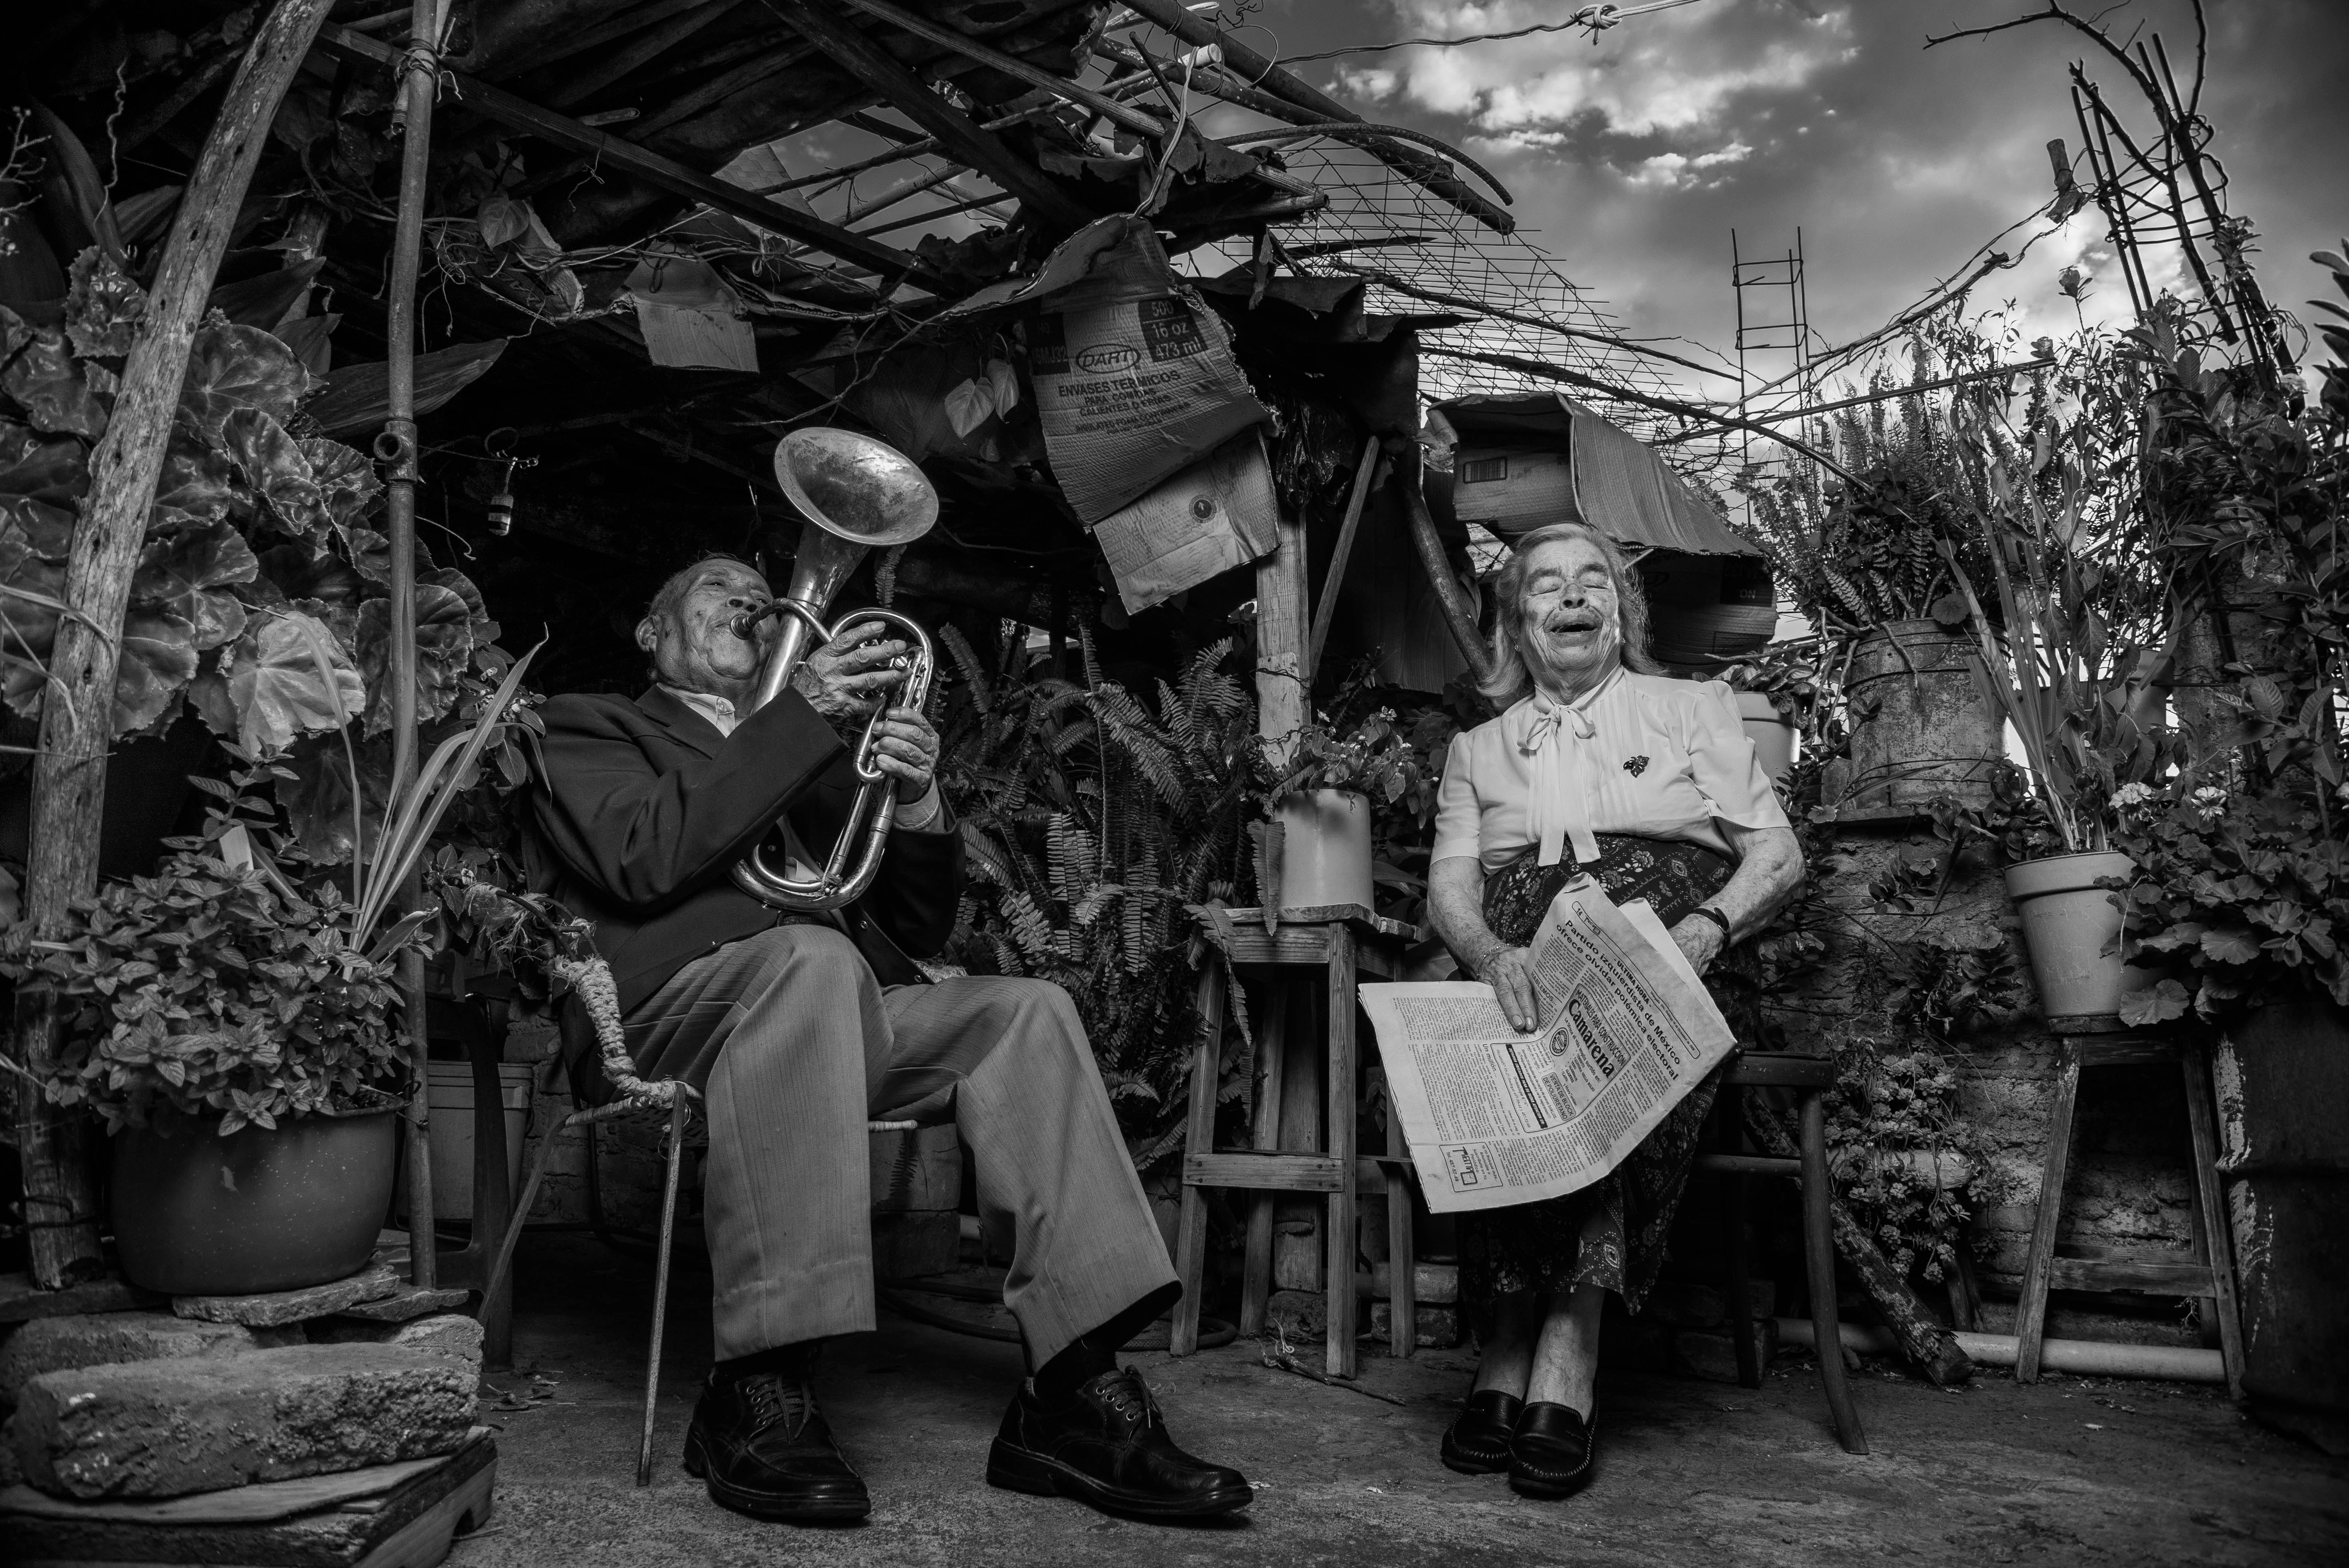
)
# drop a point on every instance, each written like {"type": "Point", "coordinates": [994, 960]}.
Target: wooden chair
{"type": "Point", "coordinates": [684, 1105]}
{"type": "Point", "coordinates": [1808, 1079]}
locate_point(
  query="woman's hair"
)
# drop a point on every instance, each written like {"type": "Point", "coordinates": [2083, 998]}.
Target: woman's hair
{"type": "Point", "coordinates": [1510, 679]}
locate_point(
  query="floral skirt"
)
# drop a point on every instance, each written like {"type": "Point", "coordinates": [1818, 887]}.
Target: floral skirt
{"type": "Point", "coordinates": [1611, 1233]}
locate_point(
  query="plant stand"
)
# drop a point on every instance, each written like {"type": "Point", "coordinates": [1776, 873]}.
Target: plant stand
{"type": "Point", "coordinates": [1338, 940]}
{"type": "Point", "coordinates": [2208, 1274]}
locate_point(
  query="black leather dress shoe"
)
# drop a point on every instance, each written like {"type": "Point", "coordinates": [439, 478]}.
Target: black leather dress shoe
{"type": "Point", "coordinates": [762, 1448]}
{"type": "Point", "coordinates": [1551, 1452]}
{"type": "Point", "coordinates": [1479, 1442]}
{"type": "Point", "coordinates": [1108, 1446]}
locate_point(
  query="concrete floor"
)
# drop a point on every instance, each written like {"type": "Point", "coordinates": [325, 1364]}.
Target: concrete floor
{"type": "Point", "coordinates": [2070, 1471]}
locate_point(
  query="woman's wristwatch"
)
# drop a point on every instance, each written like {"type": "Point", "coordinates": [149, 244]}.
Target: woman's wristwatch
{"type": "Point", "coordinates": [1706, 912]}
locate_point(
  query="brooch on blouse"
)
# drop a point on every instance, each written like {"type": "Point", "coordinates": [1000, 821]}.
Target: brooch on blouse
{"type": "Point", "coordinates": [1635, 766]}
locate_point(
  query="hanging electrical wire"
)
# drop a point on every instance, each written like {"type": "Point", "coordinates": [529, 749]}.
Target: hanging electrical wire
{"type": "Point", "coordinates": [1595, 19]}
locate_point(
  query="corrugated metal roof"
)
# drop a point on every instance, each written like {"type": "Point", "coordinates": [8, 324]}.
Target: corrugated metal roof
{"type": "Point", "coordinates": [1621, 486]}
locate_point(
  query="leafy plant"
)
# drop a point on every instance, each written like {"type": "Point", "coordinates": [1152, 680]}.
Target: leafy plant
{"type": "Point", "coordinates": [1791, 673]}
{"type": "Point", "coordinates": [261, 597]}
{"type": "Point", "coordinates": [1092, 817]}
{"type": "Point", "coordinates": [1893, 1125]}
{"type": "Point", "coordinates": [1373, 758]}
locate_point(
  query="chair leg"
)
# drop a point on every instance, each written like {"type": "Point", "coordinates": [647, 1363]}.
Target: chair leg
{"type": "Point", "coordinates": [1818, 1255]}
{"type": "Point", "coordinates": [660, 1287]}
{"type": "Point", "coordinates": [1741, 1293]}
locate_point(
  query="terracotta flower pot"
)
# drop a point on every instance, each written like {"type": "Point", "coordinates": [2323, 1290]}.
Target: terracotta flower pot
{"type": "Point", "coordinates": [2068, 923]}
{"type": "Point", "coordinates": [2284, 1117]}
{"type": "Point", "coordinates": [260, 1210]}
{"type": "Point", "coordinates": [1772, 733]}
{"type": "Point", "coordinates": [1325, 848]}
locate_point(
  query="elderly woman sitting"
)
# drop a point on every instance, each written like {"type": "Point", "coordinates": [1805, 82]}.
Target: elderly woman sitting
{"type": "Point", "coordinates": [1600, 765]}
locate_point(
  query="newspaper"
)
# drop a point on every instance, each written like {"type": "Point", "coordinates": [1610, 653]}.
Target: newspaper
{"type": "Point", "coordinates": [1495, 1117]}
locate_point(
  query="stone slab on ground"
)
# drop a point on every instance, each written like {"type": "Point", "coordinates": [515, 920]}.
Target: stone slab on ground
{"type": "Point", "coordinates": [274, 1308]}
{"type": "Point", "coordinates": [95, 1339]}
{"type": "Point", "coordinates": [407, 1301]}
{"type": "Point", "coordinates": [156, 1429]}
{"type": "Point", "coordinates": [403, 1514]}
{"type": "Point", "coordinates": [443, 1334]}
{"type": "Point", "coordinates": [21, 1300]}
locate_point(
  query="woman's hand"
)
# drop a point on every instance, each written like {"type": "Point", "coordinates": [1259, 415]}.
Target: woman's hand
{"type": "Point", "coordinates": [1700, 941]}
{"type": "Point", "coordinates": [1509, 971]}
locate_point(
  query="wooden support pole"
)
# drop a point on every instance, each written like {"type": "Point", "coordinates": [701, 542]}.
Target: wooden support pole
{"type": "Point", "coordinates": [419, 85]}
{"type": "Point", "coordinates": [906, 93]}
{"type": "Point", "coordinates": [1282, 676]}
{"type": "Point", "coordinates": [1459, 615]}
{"type": "Point", "coordinates": [76, 716]}
{"type": "Point", "coordinates": [1332, 580]}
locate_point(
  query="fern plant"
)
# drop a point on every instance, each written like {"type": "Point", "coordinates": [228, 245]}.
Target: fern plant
{"type": "Point", "coordinates": [1090, 816]}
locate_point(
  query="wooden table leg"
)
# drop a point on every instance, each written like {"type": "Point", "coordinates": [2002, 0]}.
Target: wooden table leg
{"type": "Point", "coordinates": [2201, 1120]}
{"type": "Point", "coordinates": [1402, 1250]}
{"type": "Point", "coordinates": [1198, 1138]}
{"type": "Point", "coordinates": [492, 1203]}
{"type": "Point", "coordinates": [1271, 1054]}
{"type": "Point", "coordinates": [1339, 1265]}
{"type": "Point", "coordinates": [2031, 1310]}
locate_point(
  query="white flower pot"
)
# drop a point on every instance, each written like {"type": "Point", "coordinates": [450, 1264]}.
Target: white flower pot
{"type": "Point", "coordinates": [2068, 923]}
{"type": "Point", "coordinates": [1325, 848]}
{"type": "Point", "coordinates": [1772, 733]}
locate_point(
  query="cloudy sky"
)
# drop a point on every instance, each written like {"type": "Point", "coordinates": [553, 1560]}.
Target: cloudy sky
{"type": "Point", "coordinates": [1633, 156]}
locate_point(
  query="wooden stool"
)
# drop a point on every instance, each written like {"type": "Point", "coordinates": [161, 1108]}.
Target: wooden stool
{"type": "Point", "coordinates": [1340, 940]}
{"type": "Point", "coordinates": [1809, 1077]}
{"type": "Point", "coordinates": [2208, 1272]}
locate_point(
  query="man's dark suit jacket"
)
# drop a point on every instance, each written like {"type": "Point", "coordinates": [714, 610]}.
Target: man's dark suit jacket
{"type": "Point", "coordinates": [643, 808]}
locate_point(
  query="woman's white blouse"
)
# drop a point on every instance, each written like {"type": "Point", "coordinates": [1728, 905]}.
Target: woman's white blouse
{"type": "Point", "coordinates": [1665, 758]}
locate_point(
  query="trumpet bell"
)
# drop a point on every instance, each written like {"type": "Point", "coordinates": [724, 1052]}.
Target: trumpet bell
{"type": "Point", "coordinates": [855, 488]}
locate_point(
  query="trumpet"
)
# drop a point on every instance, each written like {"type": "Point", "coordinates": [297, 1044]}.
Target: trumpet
{"type": "Point", "coordinates": [855, 494]}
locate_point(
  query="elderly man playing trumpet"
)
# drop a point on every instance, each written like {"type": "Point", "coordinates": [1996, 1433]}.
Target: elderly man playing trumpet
{"type": "Point", "coordinates": [798, 1029]}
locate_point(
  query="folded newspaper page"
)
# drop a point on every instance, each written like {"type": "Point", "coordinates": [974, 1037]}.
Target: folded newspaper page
{"type": "Point", "coordinates": [1495, 1117]}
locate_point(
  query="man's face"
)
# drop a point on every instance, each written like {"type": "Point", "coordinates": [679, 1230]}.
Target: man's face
{"type": "Point", "coordinates": [694, 646]}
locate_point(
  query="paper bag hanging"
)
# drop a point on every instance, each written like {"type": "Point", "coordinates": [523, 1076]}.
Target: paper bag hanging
{"type": "Point", "coordinates": [1206, 519]}
{"type": "Point", "coordinates": [1134, 379]}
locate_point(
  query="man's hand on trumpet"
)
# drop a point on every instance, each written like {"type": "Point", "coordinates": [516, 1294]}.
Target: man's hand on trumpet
{"type": "Point", "coordinates": [844, 678]}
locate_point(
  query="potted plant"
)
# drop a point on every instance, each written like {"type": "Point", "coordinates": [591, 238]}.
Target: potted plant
{"type": "Point", "coordinates": [1777, 692]}
{"type": "Point", "coordinates": [1874, 558]}
{"type": "Point", "coordinates": [1316, 848]}
{"type": "Point", "coordinates": [235, 1032]}
{"type": "Point", "coordinates": [2082, 679]}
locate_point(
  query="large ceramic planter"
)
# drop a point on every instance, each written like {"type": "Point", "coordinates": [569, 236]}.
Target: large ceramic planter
{"type": "Point", "coordinates": [1772, 733]}
{"type": "Point", "coordinates": [2283, 1113]}
{"type": "Point", "coordinates": [2071, 927]}
{"type": "Point", "coordinates": [1922, 725]}
{"type": "Point", "coordinates": [1325, 848]}
{"type": "Point", "coordinates": [262, 1208]}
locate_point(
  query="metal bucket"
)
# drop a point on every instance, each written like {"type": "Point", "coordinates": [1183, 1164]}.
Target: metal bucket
{"type": "Point", "coordinates": [1922, 724]}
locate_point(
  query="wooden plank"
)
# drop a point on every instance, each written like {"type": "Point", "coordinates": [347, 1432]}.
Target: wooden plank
{"type": "Point", "coordinates": [1288, 945]}
{"type": "Point", "coordinates": [1748, 1165]}
{"type": "Point", "coordinates": [1198, 1141]}
{"type": "Point", "coordinates": [258, 1503]}
{"type": "Point", "coordinates": [639, 50]}
{"type": "Point", "coordinates": [69, 784]}
{"type": "Point", "coordinates": [2140, 1275]}
{"type": "Point", "coordinates": [880, 70]}
{"type": "Point", "coordinates": [2031, 1310]}
{"type": "Point", "coordinates": [1337, 1235]}
{"type": "Point", "coordinates": [21, 1300]}
{"type": "Point", "coordinates": [1781, 1071]}
{"type": "Point", "coordinates": [1272, 1053]}
{"type": "Point", "coordinates": [2124, 1051]}
{"type": "Point", "coordinates": [1402, 1250]}
{"type": "Point", "coordinates": [1278, 1172]}
{"type": "Point", "coordinates": [1283, 694]}
{"type": "Point", "coordinates": [1332, 580]}
{"type": "Point", "coordinates": [662, 173]}
{"type": "Point", "coordinates": [2201, 1121]}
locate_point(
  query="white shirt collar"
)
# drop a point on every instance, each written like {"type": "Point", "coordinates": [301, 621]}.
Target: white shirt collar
{"type": "Point", "coordinates": [716, 709]}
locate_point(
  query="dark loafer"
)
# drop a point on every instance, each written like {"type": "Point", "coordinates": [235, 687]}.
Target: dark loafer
{"type": "Point", "coordinates": [1479, 1442]}
{"type": "Point", "coordinates": [1550, 1453]}
{"type": "Point", "coordinates": [762, 1448]}
{"type": "Point", "coordinates": [1108, 1446]}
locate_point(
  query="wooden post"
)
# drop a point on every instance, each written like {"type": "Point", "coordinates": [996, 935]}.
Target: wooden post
{"type": "Point", "coordinates": [77, 717]}
{"type": "Point", "coordinates": [419, 85]}
{"type": "Point", "coordinates": [1283, 706]}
